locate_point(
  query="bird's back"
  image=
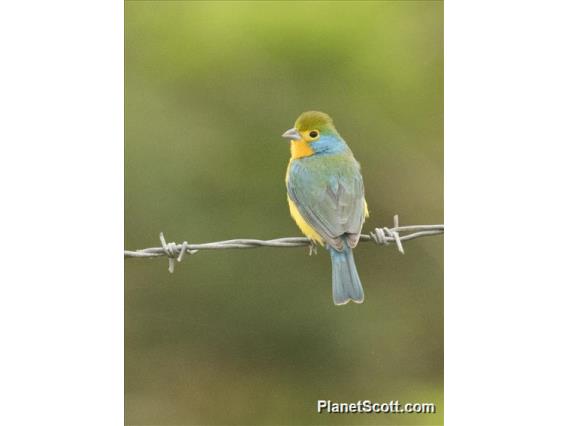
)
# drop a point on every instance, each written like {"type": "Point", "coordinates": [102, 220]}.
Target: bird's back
{"type": "Point", "coordinates": [327, 192]}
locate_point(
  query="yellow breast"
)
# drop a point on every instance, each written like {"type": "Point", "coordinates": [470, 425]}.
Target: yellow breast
{"type": "Point", "coordinates": [304, 226]}
{"type": "Point", "coordinates": [306, 229]}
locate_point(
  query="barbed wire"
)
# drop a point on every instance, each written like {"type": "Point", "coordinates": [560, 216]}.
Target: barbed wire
{"type": "Point", "coordinates": [380, 236]}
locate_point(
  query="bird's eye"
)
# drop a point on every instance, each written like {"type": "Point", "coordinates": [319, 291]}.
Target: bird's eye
{"type": "Point", "coordinates": [314, 134]}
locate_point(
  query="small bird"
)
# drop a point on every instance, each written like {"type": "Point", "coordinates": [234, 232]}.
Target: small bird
{"type": "Point", "coordinates": [327, 198]}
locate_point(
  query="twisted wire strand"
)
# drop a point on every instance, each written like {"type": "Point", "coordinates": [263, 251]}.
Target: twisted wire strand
{"type": "Point", "coordinates": [380, 236]}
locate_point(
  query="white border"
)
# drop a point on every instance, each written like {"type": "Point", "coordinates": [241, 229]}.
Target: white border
{"type": "Point", "coordinates": [61, 132]}
{"type": "Point", "coordinates": [505, 242]}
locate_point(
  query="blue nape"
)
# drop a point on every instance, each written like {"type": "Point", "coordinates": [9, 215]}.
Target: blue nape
{"type": "Point", "coordinates": [329, 144]}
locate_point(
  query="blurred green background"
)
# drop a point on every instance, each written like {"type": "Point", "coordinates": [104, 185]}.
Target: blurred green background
{"type": "Point", "coordinates": [252, 336]}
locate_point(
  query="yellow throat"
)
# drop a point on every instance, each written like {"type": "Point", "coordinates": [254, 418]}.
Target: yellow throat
{"type": "Point", "coordinates": [300, 148]}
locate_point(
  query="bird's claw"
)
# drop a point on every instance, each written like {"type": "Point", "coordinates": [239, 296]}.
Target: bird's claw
{"type": "Point", "coordinates": [313, 248]}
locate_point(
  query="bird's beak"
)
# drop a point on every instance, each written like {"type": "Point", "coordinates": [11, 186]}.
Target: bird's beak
{"type": "Point", "coordinates": [292, 134]}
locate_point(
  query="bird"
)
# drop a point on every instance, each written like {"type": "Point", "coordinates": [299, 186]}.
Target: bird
{"type": "Point", "coordinates": [326, 197]}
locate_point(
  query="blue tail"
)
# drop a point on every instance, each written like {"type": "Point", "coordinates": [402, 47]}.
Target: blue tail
{"type": "Point", "coordinates": [345, 280]}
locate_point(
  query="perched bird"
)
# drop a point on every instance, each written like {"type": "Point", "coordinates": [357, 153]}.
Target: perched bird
{"type": "Point", "coordinates": [327, 198]}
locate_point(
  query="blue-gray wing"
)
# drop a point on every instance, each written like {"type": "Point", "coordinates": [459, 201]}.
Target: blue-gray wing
{"type": "Point", "coordinates": [329, 194]}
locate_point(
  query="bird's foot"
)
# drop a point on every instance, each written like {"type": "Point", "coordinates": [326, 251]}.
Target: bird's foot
{"type": "Point", "coordinates": [313, 248]}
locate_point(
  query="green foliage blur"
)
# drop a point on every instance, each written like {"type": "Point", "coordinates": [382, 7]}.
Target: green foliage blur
{"type": "Point", "coordinates": [252, 337]}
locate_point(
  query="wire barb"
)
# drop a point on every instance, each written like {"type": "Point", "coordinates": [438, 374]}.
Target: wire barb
{"type": "Point", "coordinates": [381, 236]}
{"type": "Point", "coordinates": [172, 250]}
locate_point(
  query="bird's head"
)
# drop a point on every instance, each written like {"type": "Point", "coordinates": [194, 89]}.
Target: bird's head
{"type": "Point", "coordinates": [314, 133]}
